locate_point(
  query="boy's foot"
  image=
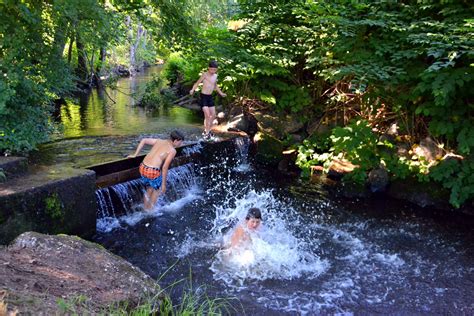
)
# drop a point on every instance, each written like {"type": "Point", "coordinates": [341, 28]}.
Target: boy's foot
{"type": "Point", "coordinates": [206, 136]}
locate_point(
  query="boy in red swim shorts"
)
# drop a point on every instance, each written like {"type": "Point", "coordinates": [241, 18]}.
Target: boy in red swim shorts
{"type": "Point", "coordinates": [154, 168]}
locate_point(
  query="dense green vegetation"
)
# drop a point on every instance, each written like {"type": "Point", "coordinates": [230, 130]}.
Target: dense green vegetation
{"type": "Point", "coordinates": [407, 64]}
{"type": "Point", "coordinates": [50, 48]}
{"type": "Point", "coordinates": [358, 68]}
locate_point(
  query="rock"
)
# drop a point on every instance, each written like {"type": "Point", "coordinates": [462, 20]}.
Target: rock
{"type": "Point", "coordinates": [269, 124]}
{"type": "Point", "coordinates": [287, 165]}
{"type": "Point", "coordinates": [339, 168]}
{"type": "Point", "coordinates": [317, 128]}
{"type": "Point", "coordinates": [296, 138]}
{"type": "Point", "coordinates": [292, 124]}
{"type": "Point", "coordinates": [423, 194]}
{"type": "Point", "coordinates": [39, 270]}
{"type": "Point", "coordinates": [429, 150]}
{"type": "Point", "coordinates": [235, 111]}
{"type": "Point", "coordinates": [269, 149]}
{"type": "Point", "coordinates": [238, 123]}
{"type": "Point", "coordinates": [243, 122]}
{"type": "Point", "coordinates": [122, 71]}
{"type": "Point", "coordinates": [378, 179]}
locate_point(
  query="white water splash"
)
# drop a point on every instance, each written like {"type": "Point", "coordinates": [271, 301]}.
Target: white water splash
{"type": "Point", "coordinates": [273, 253]}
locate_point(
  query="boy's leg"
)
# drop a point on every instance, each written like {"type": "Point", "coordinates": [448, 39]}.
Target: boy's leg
{"type": "Point", "coordinates": [147, 199]}
{"type": "Point", "coordinates": [207, 122]}
{"type": "Point", "coordinates": [154, 196]}
{"type": "Point", "coordinates": [212, 116]}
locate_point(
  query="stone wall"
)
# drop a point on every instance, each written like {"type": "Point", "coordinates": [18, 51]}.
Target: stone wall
{"type": "Point", "coordinates": [49, 201]}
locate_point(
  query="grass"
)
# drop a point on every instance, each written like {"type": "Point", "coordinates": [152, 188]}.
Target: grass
{"type": "Point", "coordinates": [194, 301]}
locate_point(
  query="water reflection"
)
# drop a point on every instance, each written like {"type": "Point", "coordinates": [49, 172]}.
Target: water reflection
{"type": "Point", "coordinates": [113, 111]}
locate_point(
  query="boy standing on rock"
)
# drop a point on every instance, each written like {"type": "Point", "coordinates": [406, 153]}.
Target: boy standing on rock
{"type": "Point", "coordinates": [209, 84]}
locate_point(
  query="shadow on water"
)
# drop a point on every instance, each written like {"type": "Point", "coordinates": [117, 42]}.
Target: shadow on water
{"type": "Point", "coordinates": [314, 254]}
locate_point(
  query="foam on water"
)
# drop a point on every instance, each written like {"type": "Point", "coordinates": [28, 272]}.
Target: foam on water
{"type": "Point", "coordinates": [273, 253]}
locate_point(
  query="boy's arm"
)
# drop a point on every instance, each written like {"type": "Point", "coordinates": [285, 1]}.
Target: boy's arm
{"type": "Point", "coordinates": [236, 236]}
{"type": "Point", "coordinates": [197, 83]}
{"type": "Point", "coordinates": [222, 94]}
{"type": "Point", "coordinates": [143, 142]}
{"type": "Point", "coordinates": [165, 168]}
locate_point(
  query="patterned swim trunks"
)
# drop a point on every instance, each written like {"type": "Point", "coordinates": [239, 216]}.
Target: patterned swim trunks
{"type": "Point", "coordinates": [150, 176]}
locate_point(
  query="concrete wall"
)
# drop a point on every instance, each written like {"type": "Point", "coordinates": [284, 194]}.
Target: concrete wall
{"type": "Point", "coordinates": [48, 201]}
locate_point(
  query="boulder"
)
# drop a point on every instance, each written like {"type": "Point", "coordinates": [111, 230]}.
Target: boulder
{"type": "Point", "coordinates": [429, 150]}
{"type": "Point", "coordinates": [243, 122]}
{"type": "Point", "coordinates": [291, 124]}
{"type": "Point", "coordinates": [318, 128]}
{"type": "Point", "coordinates": [378, 179]}
{"type": "Point", "coordinates": [424, 194]}
{"type": "Point", "coordinates": [269, 124]}
{"type": "Point", "coordinates": [44, 275]}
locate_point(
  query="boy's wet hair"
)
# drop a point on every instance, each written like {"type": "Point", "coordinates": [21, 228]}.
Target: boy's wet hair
{"type": "Point", "coordinates": [176, 135]}
{"type": "Point", "coordinates": [213, 64]}
{"type": "Point", "coordinates": [254, 212]}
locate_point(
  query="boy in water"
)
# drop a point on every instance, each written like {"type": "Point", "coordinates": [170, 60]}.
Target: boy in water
{"type": "Point", "coordinates": [154, 168]}
{"type": "Point", "coordinates": [241, 233]}
{"type": "Point", "coordinates": [209, 84]}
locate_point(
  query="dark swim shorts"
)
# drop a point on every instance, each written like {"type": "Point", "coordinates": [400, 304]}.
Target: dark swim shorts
{"type": "Point", "coordinates": [206, 100]}
{"type": "Point", "coordinates": [150, 176]}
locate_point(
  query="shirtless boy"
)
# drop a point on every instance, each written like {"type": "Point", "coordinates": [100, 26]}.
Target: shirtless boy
{"type": "Point", "coordinates": [154, 168]}
{"type": "Point", "coordinates": [209, 84]}
{"type": "Point", "coordinates": [241, 233]}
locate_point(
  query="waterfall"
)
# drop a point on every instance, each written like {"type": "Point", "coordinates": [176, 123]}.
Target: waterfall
{"type": "Point", "coordinates": [125, 198]}
{"type": "Point", "coordinates": [194, 149]}
{"type": "Point", "coordinates": [242, 145]}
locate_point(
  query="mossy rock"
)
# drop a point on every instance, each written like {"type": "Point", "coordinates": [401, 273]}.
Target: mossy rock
{"type": "Point", "coordinates": [269, 149]}
{"type": "Point", "coordinates": [424, 194]}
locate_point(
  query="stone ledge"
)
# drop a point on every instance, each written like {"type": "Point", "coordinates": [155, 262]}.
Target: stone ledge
{"type": "Point", "coordinates": [13, 166]}
{"type": "Point", "coordinates": [50, 200]}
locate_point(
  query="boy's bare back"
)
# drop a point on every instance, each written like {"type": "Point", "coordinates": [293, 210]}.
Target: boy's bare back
{"type": "Point", "coordinates": [158, 153]}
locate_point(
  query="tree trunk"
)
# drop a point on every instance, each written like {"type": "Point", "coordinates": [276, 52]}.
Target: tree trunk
{"type": "Point", "coordinates": [81, 59]}
{"type": "Point", "coordinates": [128, 23]}
{"type": "Point", "coordinates": [103, 57]}
{"type": "Point", "coordinates": [69, 50]}
{"type": "Point", "coordinates": [60, 40]}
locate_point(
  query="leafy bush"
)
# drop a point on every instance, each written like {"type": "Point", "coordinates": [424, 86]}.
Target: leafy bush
{"type": "Point", "coordinates": [359, 144]}
{"type": "Point", "coordinates": [174, 69]}
{"type": "Point", "coordinates": [152, 96]}
{"type": "Point", "coordinates": [456, 176]}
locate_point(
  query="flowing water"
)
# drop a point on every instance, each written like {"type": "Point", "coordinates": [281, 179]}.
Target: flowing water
{"type": "Point", "coordinates": [313, 254]}
{"type": "Point", "coordinates": [106, 124]}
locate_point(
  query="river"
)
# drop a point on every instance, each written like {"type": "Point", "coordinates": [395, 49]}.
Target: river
{"type": "Point", "coordinates": [103, 125]}
{"type": "Point", "coordinates": [315, 253]}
